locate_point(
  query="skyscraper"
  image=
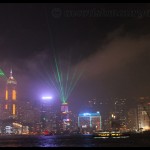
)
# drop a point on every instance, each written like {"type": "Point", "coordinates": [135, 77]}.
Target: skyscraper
{"type": "Point", "coordinates": [144, 113]}
{"type": "Point", "coordinates": [120, 112]}
{"type": "Point", "coordinates": [89, 122]}
{"type": "Point", "coordinates": [65, 116]}
{"type": "Point", "coordinates": [10, 108]}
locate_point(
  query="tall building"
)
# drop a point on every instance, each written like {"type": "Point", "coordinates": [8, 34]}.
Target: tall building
{"type": "Point", "coordinates": [103, 105]}
{"type": "Point", "coordinates": [120, 112]}
{"type": "Point", "coordinates": [65, 116]}
{"type": "Point", "coordinates": [89, 122]}
{"type": "Point", "coordinates": [10, 105]}
{"type": "Point", "coordinates": [132, 119]}
{"type": "Point", "coordinates": [144, 113]}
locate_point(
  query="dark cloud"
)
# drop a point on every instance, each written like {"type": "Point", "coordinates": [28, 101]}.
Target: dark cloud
{"type": "Point", "coordinates": [114, 55]}
{"type": "Point", "coordinates": [120, 67]}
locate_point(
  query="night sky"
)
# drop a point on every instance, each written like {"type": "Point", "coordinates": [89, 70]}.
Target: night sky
{"type": "Point", "coordinates": [110, 42]}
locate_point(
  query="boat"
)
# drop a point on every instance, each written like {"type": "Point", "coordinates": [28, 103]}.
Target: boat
{"type": "Point", "coordinates": [110, 134]}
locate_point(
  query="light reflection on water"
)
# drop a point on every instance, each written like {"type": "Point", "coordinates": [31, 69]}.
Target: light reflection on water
{"type": "Point", "coordinates": [67, 141]}
{"type": "Point", "coordinates": [41, 141]}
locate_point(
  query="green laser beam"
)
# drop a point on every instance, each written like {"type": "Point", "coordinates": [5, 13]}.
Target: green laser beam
{"type": "Point", "coordinates": [2, 75]}
{"type": "Point", "coordinates": [65, 80]}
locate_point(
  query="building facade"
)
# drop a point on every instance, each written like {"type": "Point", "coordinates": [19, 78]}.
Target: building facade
{"type": "Point", "coordinates": [144, 113]}
{"type": "Point", "coordinates": [10, 102]}
{"type": "Point", "coordinates": [89, 122]}
{"type": "Point", "coordinates": [120, 113]}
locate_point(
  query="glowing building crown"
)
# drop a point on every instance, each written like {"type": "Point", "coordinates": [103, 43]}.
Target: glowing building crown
{"type": "Point", "coordinates": [11, 79]}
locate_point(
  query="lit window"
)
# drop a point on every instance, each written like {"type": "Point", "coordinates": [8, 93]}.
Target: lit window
{"type": "Point", "coordinates": [6, 96]}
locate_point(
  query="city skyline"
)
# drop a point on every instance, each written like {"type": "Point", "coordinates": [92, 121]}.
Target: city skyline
{"type": "Point", "coordinates": [113, 50]}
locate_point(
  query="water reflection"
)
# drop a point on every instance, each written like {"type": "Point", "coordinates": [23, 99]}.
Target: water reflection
{"type": "Point", "coordinates": [69, 141]}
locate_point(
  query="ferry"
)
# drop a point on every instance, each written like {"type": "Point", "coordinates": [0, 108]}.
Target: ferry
{"type": "Point", "coordinates": [110, 134]}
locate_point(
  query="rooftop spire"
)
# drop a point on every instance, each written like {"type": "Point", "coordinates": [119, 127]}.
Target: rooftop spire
{"type": "Point", "coordinates": [11, 79]}
{"type": "Point", "coordinates": [11, 73]}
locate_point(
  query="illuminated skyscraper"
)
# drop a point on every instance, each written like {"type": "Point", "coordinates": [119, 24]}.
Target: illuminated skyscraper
{"type": "Point", "coordinates": [120, 113]}
{"type": "Point", "coordinates": [65, 116]}
{"type": "Point", "coordinates": [144, 113]}
{"type": "Point", "coordinates": [89, 122]}
{"type": "Point", "coordinates": [10, 98]}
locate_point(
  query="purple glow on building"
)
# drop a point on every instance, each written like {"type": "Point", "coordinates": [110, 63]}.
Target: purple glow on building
{"type": "Point", "coordinates": [46, 97]}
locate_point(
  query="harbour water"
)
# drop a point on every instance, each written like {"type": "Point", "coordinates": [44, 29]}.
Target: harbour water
{"type": "Point", "coordinates": [70, 141]}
